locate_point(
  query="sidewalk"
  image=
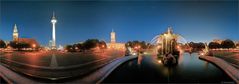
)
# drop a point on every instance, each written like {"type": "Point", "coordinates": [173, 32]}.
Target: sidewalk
{"type": "Point", "coordinates": [99, 75]}
{"type": "Point", "coordinates": [231, 57]}
{"type": "Point", "coordinates": [225, 66]}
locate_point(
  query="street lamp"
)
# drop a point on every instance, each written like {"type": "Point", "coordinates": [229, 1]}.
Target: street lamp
{"type": "Point", "coordinates": [159, 61]}
{"type": "Point", "coordinates": [139, 47]}
{"type": "Point", "coordinates": [34, 46]}
{"type": "Point", "coordinates": [136, 47]}
{"type": "Point", "coordinates": [103, 47]}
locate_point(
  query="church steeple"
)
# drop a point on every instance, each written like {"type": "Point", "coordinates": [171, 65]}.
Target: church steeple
{"type": "Point", "coordinates": [15, 28]}
{"type": "Point", "coordinates": [15, 33]}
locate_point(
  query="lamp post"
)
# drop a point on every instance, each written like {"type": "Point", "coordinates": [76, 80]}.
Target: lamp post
{"type": "Point", "coordinates": [33, 46]}
{"type": "Point", "coordinates": [103, 47]}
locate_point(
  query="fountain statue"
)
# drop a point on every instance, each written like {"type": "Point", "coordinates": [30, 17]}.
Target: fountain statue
{"type": "Point", "coordinates": [168, 45]}
{"type": "Point", "coordinates": [205, 52]}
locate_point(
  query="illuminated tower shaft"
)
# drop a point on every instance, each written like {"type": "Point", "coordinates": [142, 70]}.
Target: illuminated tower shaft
{"type": "Point", "coordinates": [53, 35]}
{"type": "Point", "coordinates": [53, 21]}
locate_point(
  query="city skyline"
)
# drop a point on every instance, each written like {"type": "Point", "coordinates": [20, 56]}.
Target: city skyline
{"type": "Point", "coordinates": [119, 41]}
{"type": "Point", "coordinates": [79, 21]}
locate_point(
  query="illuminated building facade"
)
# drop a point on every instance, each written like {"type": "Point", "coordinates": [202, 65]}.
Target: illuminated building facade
{"type": "Point", "coordinates": [32, 42]}
{"type": "Point", "coordinates": [113, 44]}
{"type": "Point", "coordinates": [15, 33]}
{"type": "Point", "coordinates": [217, 41]}
{"type": "Point", "coordinates": [112, 37]}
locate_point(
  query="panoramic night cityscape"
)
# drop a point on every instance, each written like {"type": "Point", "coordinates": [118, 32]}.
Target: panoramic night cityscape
{"type": "Point", "coordinates": [119, 41]}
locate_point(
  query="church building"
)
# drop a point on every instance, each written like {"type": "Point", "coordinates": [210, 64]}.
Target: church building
{"type": "Point", "coordinates": [31, 41]}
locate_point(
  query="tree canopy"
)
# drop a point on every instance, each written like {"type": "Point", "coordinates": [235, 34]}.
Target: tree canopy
{"type": "Point", "coordinates": [225, 44]}
{"type": "Point", "coordinates": [86, 45]}
{"type": "Point", "coordinates": [2, 44]}
{"type": "Point", "coordinates": [19, 45]}
{"type": "Point", "coordinates": [213, 45]}
{"type": "Point", "coordinates": [136, 43]}
{"type": "Point", "coordinates": [228, 44]}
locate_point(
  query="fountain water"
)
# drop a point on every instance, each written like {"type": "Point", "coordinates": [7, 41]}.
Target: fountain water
{"type": "Point", "coordinates": [168, 46]}
{"type": "Point", "coordinates": [205, 51]}
{"type": "Point", "coordinates": [167, 42]}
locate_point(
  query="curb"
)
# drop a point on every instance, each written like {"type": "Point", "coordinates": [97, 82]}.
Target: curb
{"type": "Point", "coordinates": [11, 77]}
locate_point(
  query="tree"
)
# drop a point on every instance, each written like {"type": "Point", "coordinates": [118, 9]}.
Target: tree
{"type": "Point", "coordinates": [19, 45]}
{"type": "Point", "coordinates": [134, 44]}
{"type": "Point", "coordinates": [128, 44]}
{"type": "Point", "coordinates": [228, 44]}
{"type": "Point", "coordinates": [90, 43]}
{"type": "Point", "coordinates": [102, 45]}
{"type": "Point", "coordinates": [24, 45]}
{"type": "Point", "coordinates": [214, 45]}
{"type": "Point", "coordinates": [143, 45]}
{"type": "Point", "coordinates": [237, 45]}
{"type": "Point", "coordinates": [2, 44]}
{"type": "Point", "coordinates": [70, 48]}
{"type": "Point", "coordinates": [13, 44]}
{"type": "Point", "coordinates": [78, 46]}
{"type": "Point", "coordinates": [197, 46]}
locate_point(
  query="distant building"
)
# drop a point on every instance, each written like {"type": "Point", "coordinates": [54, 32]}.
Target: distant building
{"type": "Point", "coordinates": [237, 44]}
{"type": "Point", "coordinates": [30, 41]}
{"type": "Point", "coordinates": [50, 43]}
{"type": "Point", "coordinates": [112, 37]}
{"type": "Point", "coordinates": [113, 44]}
{"type": "Point", "coordinates": [219, 41]}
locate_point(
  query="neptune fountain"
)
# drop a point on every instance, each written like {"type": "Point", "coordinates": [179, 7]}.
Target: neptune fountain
{"type": "Point", "coordinates": [168, 46]}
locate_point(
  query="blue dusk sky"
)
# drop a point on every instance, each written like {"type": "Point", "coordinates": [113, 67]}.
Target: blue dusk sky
{"type": "Point", "coordinates": [197, 20]}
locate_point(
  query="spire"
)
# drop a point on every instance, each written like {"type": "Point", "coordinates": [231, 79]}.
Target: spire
{"type": "Point", "coordinates": [15, 28]}
{"type": "Point", "coordinates": [53, 15]}
{"type": "Point", "coordinates": [53, 19]}
{"type": "Point", "coordinates": [15, 33]}
{"type": "Point", "coordinates": [112, 30]}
